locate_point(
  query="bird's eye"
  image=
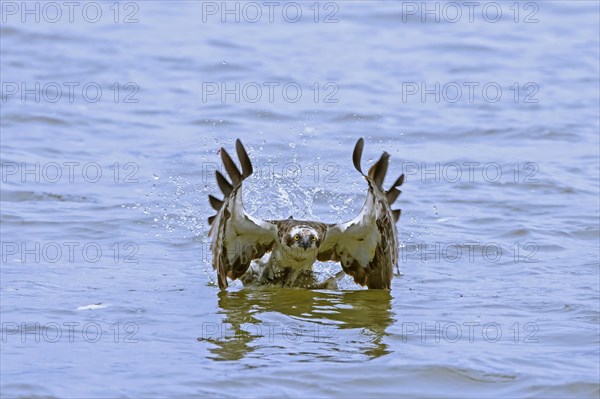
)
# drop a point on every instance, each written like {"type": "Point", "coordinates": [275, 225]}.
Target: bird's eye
{"type": "Point", "coordinates": [313, 238]}
{"type": "Point", "coordinates": [297, 237]}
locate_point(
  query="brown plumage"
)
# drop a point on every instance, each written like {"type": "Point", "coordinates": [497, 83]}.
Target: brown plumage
{"type": "Point", "coordinates": [366, 246]}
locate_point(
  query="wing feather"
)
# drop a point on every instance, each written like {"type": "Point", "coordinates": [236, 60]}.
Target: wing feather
{"type": "Point", "coordinates": [232, 170]}
{"type": "Point", "coordinates": [215, 203]}
{"type": "Point", "coordinates": [379, 169]}
{"type": "Point", "coordinates": [357, 154]}
{"type": "Point", "coordinates": [393, 193]}
{"type": "Point", "coordinates": [244, 159]}
{"type": "Point", "coordinates": [367, 246]}
{"type": "Point", "coordinates": [224, 185]}
{"type": "Point", "coordinates": [237, 238]}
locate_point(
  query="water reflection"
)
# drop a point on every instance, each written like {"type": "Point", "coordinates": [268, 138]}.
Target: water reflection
{"type": "Point", "coordinates": [338, 326]}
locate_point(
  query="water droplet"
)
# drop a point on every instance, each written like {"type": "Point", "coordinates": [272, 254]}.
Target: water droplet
{"type": "Point", "coordinates": [155, 176]}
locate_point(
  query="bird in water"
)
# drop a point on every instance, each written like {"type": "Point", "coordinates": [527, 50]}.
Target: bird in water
{"type": "Point", "coordinates": [366, 246]}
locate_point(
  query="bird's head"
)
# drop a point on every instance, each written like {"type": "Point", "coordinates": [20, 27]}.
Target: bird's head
{"type": "Point", "coordinates": [303, 238]}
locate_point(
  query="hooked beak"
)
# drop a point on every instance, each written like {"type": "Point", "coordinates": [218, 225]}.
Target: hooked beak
{"type": "Point", "coordinates": [305, 242]}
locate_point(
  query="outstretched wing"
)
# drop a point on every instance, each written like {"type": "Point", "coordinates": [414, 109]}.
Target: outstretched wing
{"type": "Point", "coordinates": [238, 238]}
{"type": "Point", "coordinates": [367, 246]}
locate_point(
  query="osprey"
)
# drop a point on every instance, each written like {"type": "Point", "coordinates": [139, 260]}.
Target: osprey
{"type": "Point", "coordinates": [366, 246]}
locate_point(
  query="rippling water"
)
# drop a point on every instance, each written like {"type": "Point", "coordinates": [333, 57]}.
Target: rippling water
{"type": "Point", "coordinates": [107, 286]}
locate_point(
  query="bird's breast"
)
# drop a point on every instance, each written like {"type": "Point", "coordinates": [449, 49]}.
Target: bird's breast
{"type": "Point", "coordinates": [295, 258]}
